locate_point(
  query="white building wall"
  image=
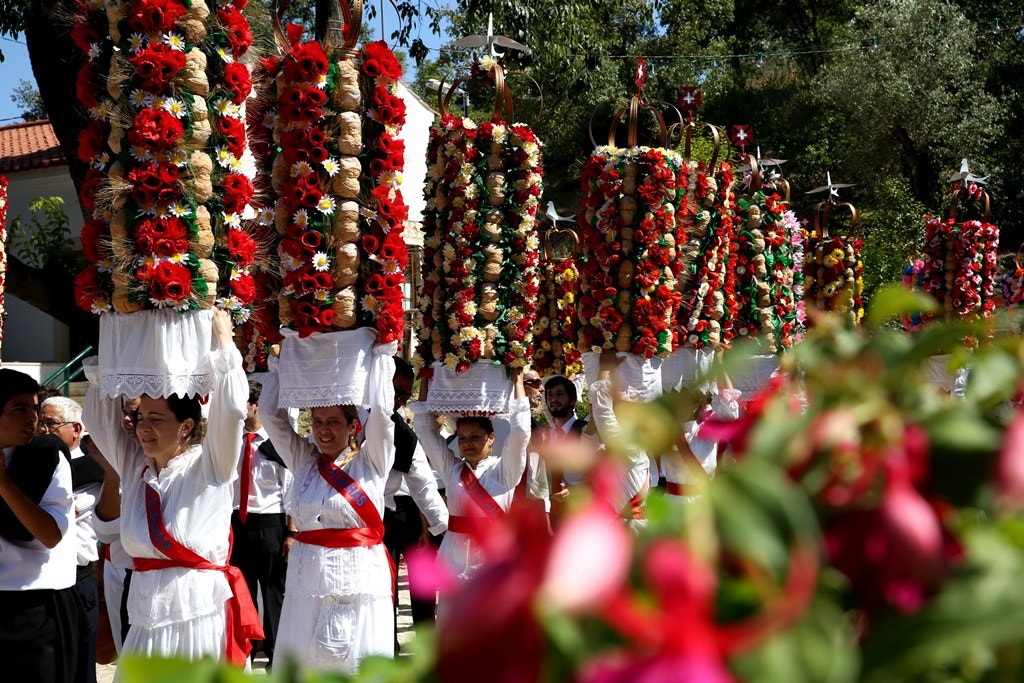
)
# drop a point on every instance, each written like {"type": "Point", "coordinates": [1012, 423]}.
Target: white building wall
{"type": "Point", "coordinates": [30, 335]}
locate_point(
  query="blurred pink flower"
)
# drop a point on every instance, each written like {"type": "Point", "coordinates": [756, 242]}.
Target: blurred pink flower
{"type": "Point", "coordinates": [1009, 467]}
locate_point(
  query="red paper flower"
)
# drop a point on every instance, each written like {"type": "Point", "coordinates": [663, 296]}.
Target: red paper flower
{"type": "Point", "coordinates": [233, 131]}
{"type": "Point", "coordinates": [155, 129]}
{"type": "Point", "coordinates": [241, 247]}
{"type": "Point", "coordinates": [166, 281]}
{"type": "Point", "coordinates": [238, 81]}
{"type": "Point", "coordinates": [85, 86]}
{"type": "Point", "coordinates": [379, 60]}
{"type": "Point", "coordinates": [92, 140]}
{"type": "Point", "coordinates": [156, 66]}
{"type": "Point", "coordinates": [237, 29]}
{"type": "Point", "coordinates": [154, 16]}
{"type": "Point", "coordinates": [238, 192]}
{"type": "Point", "coordinates": [305, 62]}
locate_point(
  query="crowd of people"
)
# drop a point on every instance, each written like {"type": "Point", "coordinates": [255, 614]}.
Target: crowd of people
{"type": "Point", "coordinates": [175, 517]}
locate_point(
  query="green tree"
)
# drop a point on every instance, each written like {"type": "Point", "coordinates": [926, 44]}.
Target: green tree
{"type": "Point", "coordinates": [28, 98]}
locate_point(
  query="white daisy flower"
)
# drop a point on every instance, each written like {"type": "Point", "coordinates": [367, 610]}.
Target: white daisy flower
{"type": "Point", "coordinates": [290, 263]}
{"type": "Point", "coordinates": [233, 220]}
{"type": "Point", "coordinates": [321, 261]}
{"type": "Point", "coordinates": [487, 63]}
{"type": "Point", "coordinates": [301, 218]}
{"type": "Point", "coordinates": [178, 156]}
{"type": "Point", "coordinates": [136, 41]}
{"type": "Point", "coordinates": [331, 166]}
{"type": "Point", "coordinates": [369, 304]}
{"type": "Point", "coordinates": [179, 209]}
{"type": "Point", "coordinates": [321, 81]}
{"type": "Point", "coordinates": [235, 164]}
{"type": "Point", "coordinates": [225, 54]}
{"type": "Point", "coordinates": [390, 267]}
{"type": "Point", "coordinates": [321, 295]}
{"type": "Point", "coordinates": [140, 153]}
{"type": "Point", "coordinates": [327, 205]}
{"type": "Point", "coordinates": [266, 216]}
{"type": "Point", "coordinates": [300, 168]}
{"type": "Point", "coordinates": [140, 99]}
{"type": "Point", "coordinates": [174, 41]}
{"type": "Point", "coordinates": [269, 119]}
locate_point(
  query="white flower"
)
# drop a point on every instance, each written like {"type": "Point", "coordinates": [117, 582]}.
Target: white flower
{"type": "Point", "coordinates": [390, 267]}
{"type": "Point", "coordinates": [140, 154]}
{"type": "Point", "coordinates": [300, 168]}
{"type": "Point", "coordinates": [327, 205]}
{"type": "Point", "coordinates": [321, 295]}
{"type": "Point", "coordinates": [140, 99]}
{"type": "Point", "coordinates": [225, 54]}
{"type": "Point", "coordinates": [290, 263]}
{"type": "Point", "coordinates": [223, 156]}
{"type": "Point", "coordinates": [269, 119]}
{"type": "Point", "coordinates": [370, 304]}
{"type": "Point", "coordinates": [178, 209]}
{"type": "Point", "coordinates": [321, 81]}
{"type": "Point", "coordinates": [233, 220]}
{"type": "Point", "coordinates": [301, 218]}
{"type": "Point", "coordinates": [175, 107]}
{"type": "Point", "coordinates": [174, 41]}
{"type": "Point", "coordinates": [321, 261]}
{"type": "Point", "coordinates": [487, 63]}
{"type": "Point", "coordinates": [135, 42]}
{"type": "Point", "coordinates": [178, 156]}
{"type": "Point", "coordinates": [265, 216]}
{"type": "Point", "coordinates": [331, 166]}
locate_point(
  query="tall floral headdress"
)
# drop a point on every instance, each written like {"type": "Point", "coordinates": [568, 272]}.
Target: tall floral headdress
{"type": "Point", "coordinates": [833, 271]}
{"type": "Point", "coordinates": [629, 238]}
{"type": "Point", "coordinates": [478, 300]}
{"type": "Point", "coordinates": [769, 267]}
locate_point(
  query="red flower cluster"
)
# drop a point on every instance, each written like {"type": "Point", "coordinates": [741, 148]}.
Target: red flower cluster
{"type": "Point", "coordinates": [167, 283]}
{"type": "Point", "coordinates": [154, 16]}
{"type": "Point", "coordinates": [554, 334]}
{"type": "Point", "coordinates": [161, 237]}
{"type": "Point", "coordinates": [154, 184]}
{"type": "Point", "coordinates": [236, 29]}
{"type": "Point", "coordinates": [92, 141]}
{"type": "Point", "coordinates": [156, 67]}
{"type": "Point", "coordinates": [155, 130]}
{"type": "Point", "coordinates": [237, 81]}
{"type": "Point", "coordinates": [379, 60]}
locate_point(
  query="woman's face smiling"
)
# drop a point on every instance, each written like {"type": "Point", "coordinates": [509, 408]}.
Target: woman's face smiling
{"type": "Point", "coordinates": [332, 430]}
{"type": "Point", "coordinates": [474, 442]}
{"type": "Point", "coordinates": [159, 432]}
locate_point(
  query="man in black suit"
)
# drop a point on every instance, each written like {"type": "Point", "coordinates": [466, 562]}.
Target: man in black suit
{"type": "Point", "coordinates": [262, 531]}
{"type": "Point", "coordinates": [41, 613]}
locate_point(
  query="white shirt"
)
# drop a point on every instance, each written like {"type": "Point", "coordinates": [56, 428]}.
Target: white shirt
{"type": "Point", "coordinates": [314, 504]}
{"type": "Point", "coordinates": [724, 406]}
{"type": "Point", "coordinates": [195, 493]}
{"type": "Point", "coordinates": [269, 480]}
{"type": "Point", "coordinates": [85, 498]}
{"type": "Point", "coordinates": [602, 412]}
{"type": "Point", "coordinates": [31, 565]}
{"type": "Point", "coordinates": [565, 432]}
{"type": "Point", "coordinates": [420, 484]}
{"type": "Point", "coordinates": [498, 474]}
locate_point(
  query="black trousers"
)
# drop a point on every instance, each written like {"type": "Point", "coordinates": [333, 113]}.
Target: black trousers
{"type": "Point", "coordinates": [39, 635]}
{"type": "Point", "coordinates": [257, 552]}
{"type": "Point", "coordinates": [88, 594]}
{"type": "Point", "coordinates": [402, 530]}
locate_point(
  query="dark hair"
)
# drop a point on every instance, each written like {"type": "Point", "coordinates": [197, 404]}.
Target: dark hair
{"type": "Point", "coordinates": [562, 381]}
{"type": "Point", "coordinates": [403, 369]}
{"type": "Point", "coordinates": [483, 422]}
{"type": "Point", "coordinates": [255, 391]}
{"type": "Point", "coordinates": [186, 408]}
{"type": "Point", "coordinates": [14, 383]}
{"type": "Point", "coordinates": [46, 392]}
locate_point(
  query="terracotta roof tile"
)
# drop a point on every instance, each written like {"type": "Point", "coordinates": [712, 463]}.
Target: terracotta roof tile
{"type": "Point", "coordinates": [28, 146]}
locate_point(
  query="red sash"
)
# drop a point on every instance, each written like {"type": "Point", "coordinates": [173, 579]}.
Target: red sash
{"type": "Point", "coordinates": [370, 535]}
{"type": "Point", "coordinates": [479, 495]}
{"type": "Point", "coordinates": [243, 621]}
{"type": "Point", "coordinates": [634, 509]}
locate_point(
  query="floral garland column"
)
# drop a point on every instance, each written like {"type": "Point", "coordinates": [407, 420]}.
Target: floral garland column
{"type": "Point", "coordinates": [478, 301]}
{"type": "Point", "coordinates": [340, 213]}
{"type": "Point", "coordinates": [158, 189]}
{"type": "Point", "coordinates": [766, 268]}
{"type": "Point", "coordinates": [94, 285]}
{"type": "Point", "coordinates": [554, 333]}
{"type": "Point", "coordinates": [833, 272]}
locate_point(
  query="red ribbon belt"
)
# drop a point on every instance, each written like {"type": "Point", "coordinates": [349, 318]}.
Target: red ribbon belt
{"type": "Point", "coordinates": [682, 489]}
{"type": "Point", "coordinates": [370, 535]}
{"type": "Point", "coordinates": [468, 524]}
{"type": "Point", "coordinates": [243, 621]}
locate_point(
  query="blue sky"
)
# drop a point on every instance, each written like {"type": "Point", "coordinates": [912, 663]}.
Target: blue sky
{"type": "Point", "coordinates": [16, 66]}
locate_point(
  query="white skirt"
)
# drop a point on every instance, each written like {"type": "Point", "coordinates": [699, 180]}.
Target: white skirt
{"type": "Point", "coordinates": [203, 636]}
{"type": "Point", "coordinates": [334, 632]}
